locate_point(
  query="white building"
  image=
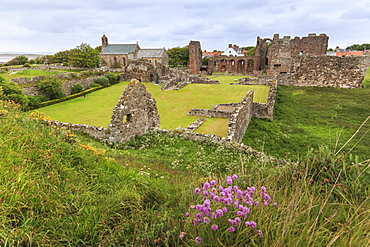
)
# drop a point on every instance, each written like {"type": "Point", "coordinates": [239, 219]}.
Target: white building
{"type": "Point", "coordinates": [233, 50]}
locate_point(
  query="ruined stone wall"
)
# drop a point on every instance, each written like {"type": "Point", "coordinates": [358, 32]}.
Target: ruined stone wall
{"type": "Point", "coordinates": [240, 118]}
{"type": "Point", "coordinates": [266, 110]}
{"type": "Point", "coordinates": [327, 71]}
{"type": "Point", "coordinates": [209, 113]}
{"type": "Point", "coordinates": [312, 45]}
{"type": "Point", "coordinates": [135, 113]}
{"type": "Point", "coordinates": [195, 57]}
{"type": "Point", "coordinates": [96, 132]}
{"type": "Point", "coordinates": [177, 79]}
{"type": "Point", "coordinates": [239, 65]}
{"type": "Point", "coordinates": [66, 86]}
{"type": "Point", "coordinates": [281, 52]}
{"type": "Point", "coordinates": [140, 70]}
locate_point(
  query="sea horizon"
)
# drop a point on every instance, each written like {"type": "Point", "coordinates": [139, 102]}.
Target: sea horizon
{"type": "Point", "coordinates": [7, 56]}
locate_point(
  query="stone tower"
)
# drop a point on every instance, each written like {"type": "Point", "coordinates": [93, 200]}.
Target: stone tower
{"type": "Point", "coordinates": [104, 41]}
{"type": "Point", "coordinates": [195, 57]}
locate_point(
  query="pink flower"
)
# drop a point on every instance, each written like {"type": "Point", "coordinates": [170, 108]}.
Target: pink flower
{"type": "Point", "coordinates": [232, 229]}
{"type": "Point", "coordinates": [198, 240]}
{"type": "Point", "coordinates": [206, 220]}
{"type": "Point", "coordinates": [196, 190]}
{"type": "Point", "coordinates": [182, 235]}
{"type": "Point", "coordinates": [260, 233]}
{"type": "Point", "coordinates": [214, 227]}
{"type": "Point", "coordinates": [206, 186]}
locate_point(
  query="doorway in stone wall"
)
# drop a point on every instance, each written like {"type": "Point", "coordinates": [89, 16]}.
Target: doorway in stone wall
{"type": "Point", "coordinates": [250, 66]}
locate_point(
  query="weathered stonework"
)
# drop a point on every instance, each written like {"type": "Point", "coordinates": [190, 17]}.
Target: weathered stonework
{"type": "Point", "coordinates": [66, 85]}
{"type": "Point", "coordinates": [299, 61]}
{"type": "Point", "coordinates": [209, 113]}
{"type": "Point", "coordinates": [143, 71]}
{"type": "Point", "coordinates": [176, 79]}
{"type": "Point", "coordinates": [195, 57]}
{"type": "Point", "coordinates": [326, 71]}
{"type": "Point", "coordinates": [135, 114]}
{"type": "Point", "coordinates": [240, 118]}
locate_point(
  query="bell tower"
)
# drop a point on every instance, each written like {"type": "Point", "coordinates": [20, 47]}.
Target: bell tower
{"type": "Point", "coordinates": [104, 41]}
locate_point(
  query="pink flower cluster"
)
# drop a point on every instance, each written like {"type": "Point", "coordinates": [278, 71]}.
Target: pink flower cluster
{"type": "Point", "coordinates": [231, 201]}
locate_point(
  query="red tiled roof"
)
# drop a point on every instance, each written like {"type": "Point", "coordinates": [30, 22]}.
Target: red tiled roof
{"type": "Point", "coordinates": [349, 53]}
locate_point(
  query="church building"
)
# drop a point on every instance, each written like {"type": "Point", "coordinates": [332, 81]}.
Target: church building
{"type": "Point", "coordinates": [120, 55]}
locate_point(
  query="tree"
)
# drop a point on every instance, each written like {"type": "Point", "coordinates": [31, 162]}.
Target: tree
{"type": "Point", "coordinates": [358, 47]}
{"type": "Point", "coordinates": [51, 86]}
{"type": "Point", "coordinates": [84, 56]}
{"type": "Point", "coordinates": [19, 60]}
{"type": "Point", "coordinates": [12, 91]}
{"type": "Point", "coordinates": [178, 56]}
{"type": "Point", "coordinates": [77, 88]}
{"type": "Point", "coordinates": [251, 51]}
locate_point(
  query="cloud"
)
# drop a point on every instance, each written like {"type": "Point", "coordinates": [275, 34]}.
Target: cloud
{"type": "Point", "coordinates": [41, 25]}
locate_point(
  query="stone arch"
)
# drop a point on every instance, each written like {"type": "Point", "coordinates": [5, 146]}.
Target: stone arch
{"type": "Point", "coordinates": [232, 65]}
{"type": "Point", "coordinates": [250, 66]}
{"type": "Point", "coordinates": [223, 68]}
{"type": "Point", "coordinates": [241, 66]}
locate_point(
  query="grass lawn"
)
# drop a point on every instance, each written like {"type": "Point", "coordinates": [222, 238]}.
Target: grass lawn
{"type": "Point", "coordinates": [28, 73]}
{"type": "Point", "coordinates": [309, 117]}
{"type": "Point", "coordinates": [173, 106]}
{"type": "Point", "coordinates": [226, 79]}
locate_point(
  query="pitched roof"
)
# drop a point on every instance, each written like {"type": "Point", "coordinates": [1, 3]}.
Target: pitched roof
{"type": "Point", "coordinates": [119, 49]}
{"type": "Point", "coordinates": [350, 53]}
{"type": "Point", "coordinates": [154, 53]}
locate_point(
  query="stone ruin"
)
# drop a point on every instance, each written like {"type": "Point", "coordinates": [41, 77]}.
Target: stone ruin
{"type": "Point", "coordinates": [135, 114]}
{"type": "Point", "coordinates": [144, 71]}
{"type": "Point", "coordinates": [298, 61]}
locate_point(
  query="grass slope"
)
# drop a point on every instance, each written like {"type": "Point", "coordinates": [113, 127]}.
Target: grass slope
{"type": "Point", "coordinates": [173, 106]}
{"type": "Point", "coordinates": [308, 117]}
{"type": "Point", "coordinates": [64, 189]}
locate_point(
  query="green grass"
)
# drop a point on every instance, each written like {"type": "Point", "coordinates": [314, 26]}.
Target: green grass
{"type": "Point", "coordinates": [366, 81]}
{"type": "Point", "coordinates": [308, 117]}
{"type": "Point", "coordinates": [173, 106]}
{"type": "Point", "coordinates": [226, 79]}
{"type": "Point", "coordinates": [28, 73]}
{"type": "Point", "coordinates": [64, 189]}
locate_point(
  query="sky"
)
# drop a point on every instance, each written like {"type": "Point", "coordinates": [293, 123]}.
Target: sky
{"type": "Point", "coordinates": [49, 26]}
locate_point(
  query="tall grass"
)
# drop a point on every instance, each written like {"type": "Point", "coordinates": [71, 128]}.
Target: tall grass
{"type": "Point", "coordinates": [308, 117]}
{"type": "Point", "coordinates": [66, 189]}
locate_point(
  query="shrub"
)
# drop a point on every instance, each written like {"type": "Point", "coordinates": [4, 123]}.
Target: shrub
{"type": "Point", "coordinates": [19, 60]}
{"type": "Point", "coordinates": [34, 101]}
{"type": "Point", "coordinates": [27, 65]}
{"type": "Point", "coordinates": [102, 80]}
{"type": "Point", "coordinates": [51, 86]}
{"type": "Point", "coordinates": [77, 88]}
{"type": "Point", "coordinates": [94, 85]}
{"type": "Point", "coordinates": [21, 99]}
{"type": "Point", "coordinates": [113, 78]}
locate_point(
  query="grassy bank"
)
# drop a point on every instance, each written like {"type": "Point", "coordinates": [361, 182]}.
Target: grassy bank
{"type": "Point", "coordinates": [308, 117]}
{"type": "Point", "coordinates": [66, 189]}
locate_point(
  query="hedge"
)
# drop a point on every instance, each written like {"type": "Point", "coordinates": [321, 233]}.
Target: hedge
{"type": "Point", "coordinates": [72, 96]}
